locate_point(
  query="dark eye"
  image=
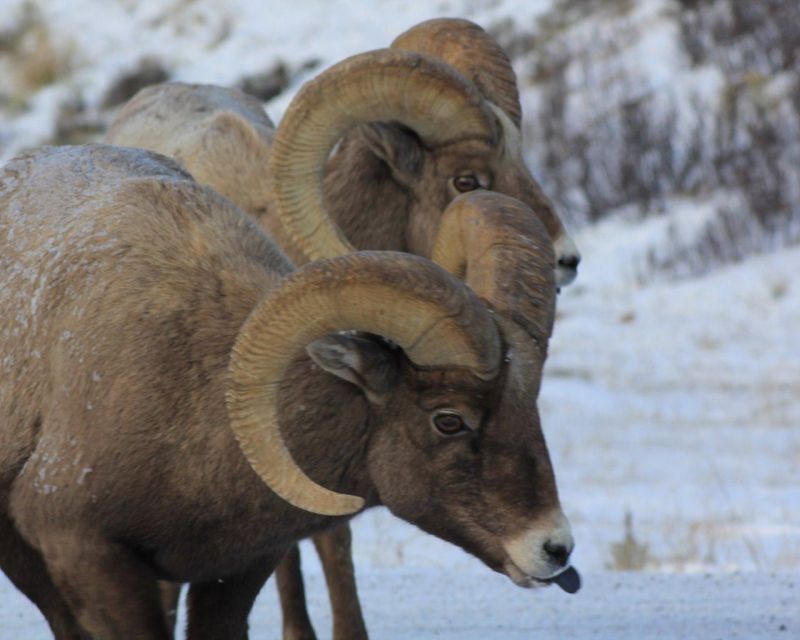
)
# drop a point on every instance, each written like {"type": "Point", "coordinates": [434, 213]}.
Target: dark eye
{"type": "Point", "coordinates": [449, 423]}
{"type": "Point", "coordinates": [466, 183]}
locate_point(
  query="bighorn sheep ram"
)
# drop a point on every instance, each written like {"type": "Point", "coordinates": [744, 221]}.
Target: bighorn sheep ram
{"type": "Point", "coordinates": [439, 115]}
{"type": "Point", "coordinates": [385, 186]}
{"type": "Point", "coordinates": [167, 375]}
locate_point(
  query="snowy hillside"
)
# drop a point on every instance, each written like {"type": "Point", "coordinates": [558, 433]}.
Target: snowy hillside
{"type": "Point", "coordinates": [669, 135]}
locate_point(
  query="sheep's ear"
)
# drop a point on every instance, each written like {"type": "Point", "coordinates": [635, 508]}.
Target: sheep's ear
{"type": "Point", "coordinates": [368, 364]}
{"type": "Point", "coordinates": [399, 147]}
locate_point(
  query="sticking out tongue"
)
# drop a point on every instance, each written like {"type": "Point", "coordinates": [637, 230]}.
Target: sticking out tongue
{"type": "Point", "coordinates": [569, 580]}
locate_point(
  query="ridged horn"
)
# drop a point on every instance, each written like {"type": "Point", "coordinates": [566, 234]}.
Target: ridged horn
{"type": "Point", "coordinates": [432, 316]}
{"type": "Point", "coordinates": [476, 54]}
{"type": "Point", "coordinates": [503, 252]}
{"type": "Point", "coordinates": [419, 92]}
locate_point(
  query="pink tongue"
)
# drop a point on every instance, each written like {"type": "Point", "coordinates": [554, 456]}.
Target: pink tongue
{"type": "Point", "coordinates": [569, 580]}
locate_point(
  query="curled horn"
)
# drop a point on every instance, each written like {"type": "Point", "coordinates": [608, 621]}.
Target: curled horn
{"type": "Point", "coordinates": [503, 252]}
{"type": "Point", "coordinates": [417, 91]}
{"type": "Point", "coordinates": [476, 54]}
{"type": "Point", "coordinates": [434, 317]}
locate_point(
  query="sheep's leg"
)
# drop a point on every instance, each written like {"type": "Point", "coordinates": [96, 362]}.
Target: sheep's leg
{"type": "Point", "coordinates": [335, 550]}
{"type": "Point", "coordinates": [296, 623]}
{"type": "Point", "coordinates": [219, 608]}
{"type": "Point", "coordinates": [112, 593]}
{"type": "Point", "coordinates": [170, 593]}
{"type": "Point", "coordinates": [26, 569]}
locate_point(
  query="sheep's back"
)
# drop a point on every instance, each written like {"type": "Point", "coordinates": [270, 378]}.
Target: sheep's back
{"type": "Point", "coordinates": [120, 278]}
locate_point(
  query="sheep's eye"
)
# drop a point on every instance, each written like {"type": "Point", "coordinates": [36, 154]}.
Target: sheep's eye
{"type": "Point", "coordinates": [449, 423]}
{"type": "Point", "coordinates": [466, 183]}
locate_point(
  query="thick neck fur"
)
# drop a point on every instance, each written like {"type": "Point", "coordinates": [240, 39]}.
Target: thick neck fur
{"type": "Point", "coordinates": [201, 471]}
{"type": "Point", "coordinates": [387, 202]}
{"type": "Point", "coordinates": [325, 426]}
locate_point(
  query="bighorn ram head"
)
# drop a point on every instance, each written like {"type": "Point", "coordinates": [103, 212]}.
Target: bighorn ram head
{"type": "Point", "coordinates": [443, 114]}
{"type": "Point", "coordinates": [453, 406]}
{"type": "Point", "coordinates": [439, 115]}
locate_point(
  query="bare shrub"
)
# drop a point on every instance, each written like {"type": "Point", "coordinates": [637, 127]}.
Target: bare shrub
{"type": "Point", "coordinates": [605, 137]}
{"type": "Point", "coordinates": [629, 554]}
{"type": "Point", "coordinates": [12, 34]}
{"type": "Point", "coordinates": [728, 237]}
{"type": "Point", "coordinates": [35, 59]}
{"type": "Point", "coordinates": [76, 124]}
{"type": "Point", "coordinates": [146, 72]}
{"type": "Point", "coordinates": [760, 36]}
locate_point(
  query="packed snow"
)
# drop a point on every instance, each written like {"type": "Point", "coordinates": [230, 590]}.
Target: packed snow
{"type": "Point", "coordinates": [671, 405]}
{"type": "Point", "coordinates": [420, 603]}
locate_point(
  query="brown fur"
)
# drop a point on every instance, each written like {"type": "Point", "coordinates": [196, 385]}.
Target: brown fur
{"type": "Point", "coordinates": [383, 186]}
{"type": "Point", "coordinates": [123, 287]}
{"type": "Point", "coordinates": [405, 202]}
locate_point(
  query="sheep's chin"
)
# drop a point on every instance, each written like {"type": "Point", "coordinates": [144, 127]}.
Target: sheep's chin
{"type": "Point", "coordinates": [520, 578]}
{"type": "Point", "coordinates": [565, 276]}
{"type": "Point", "coordinates": [570, 583]}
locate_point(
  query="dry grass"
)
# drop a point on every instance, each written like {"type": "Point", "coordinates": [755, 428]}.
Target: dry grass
{"type": "Point", "coordinates": [693, 545]}
{"type": "Point", "coordinates": [39, 62]}
{"type": "Point", "coordinates": [12, 34]}
{"type": "Point", "coordinates": [74, 125]}
{"type": "Point", "coordinates": [34, 58]}
{"type": "Point", "coordinates": [629, 554]}
{"type": "Point", "coordinates": [723, 538]}
{"type": "Point", "coordinates": [779, 289]}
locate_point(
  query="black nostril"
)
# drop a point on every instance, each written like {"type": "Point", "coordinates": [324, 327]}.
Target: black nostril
{"type": "Point", "coordinates": [569, 262]}
{"type": "Point", "coordinates": [558, 552]}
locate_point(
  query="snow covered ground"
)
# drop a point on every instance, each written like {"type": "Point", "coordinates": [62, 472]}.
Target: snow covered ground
{"type": "Point", "coordinates": [672, 404]}
{"type": "Point", "coordinates": [679, 402]}
{"type": "Point", "coordinates": [419, 604]}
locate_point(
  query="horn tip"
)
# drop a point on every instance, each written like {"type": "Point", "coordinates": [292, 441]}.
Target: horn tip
{"type": "Point", "coordinates": [341, 504]}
